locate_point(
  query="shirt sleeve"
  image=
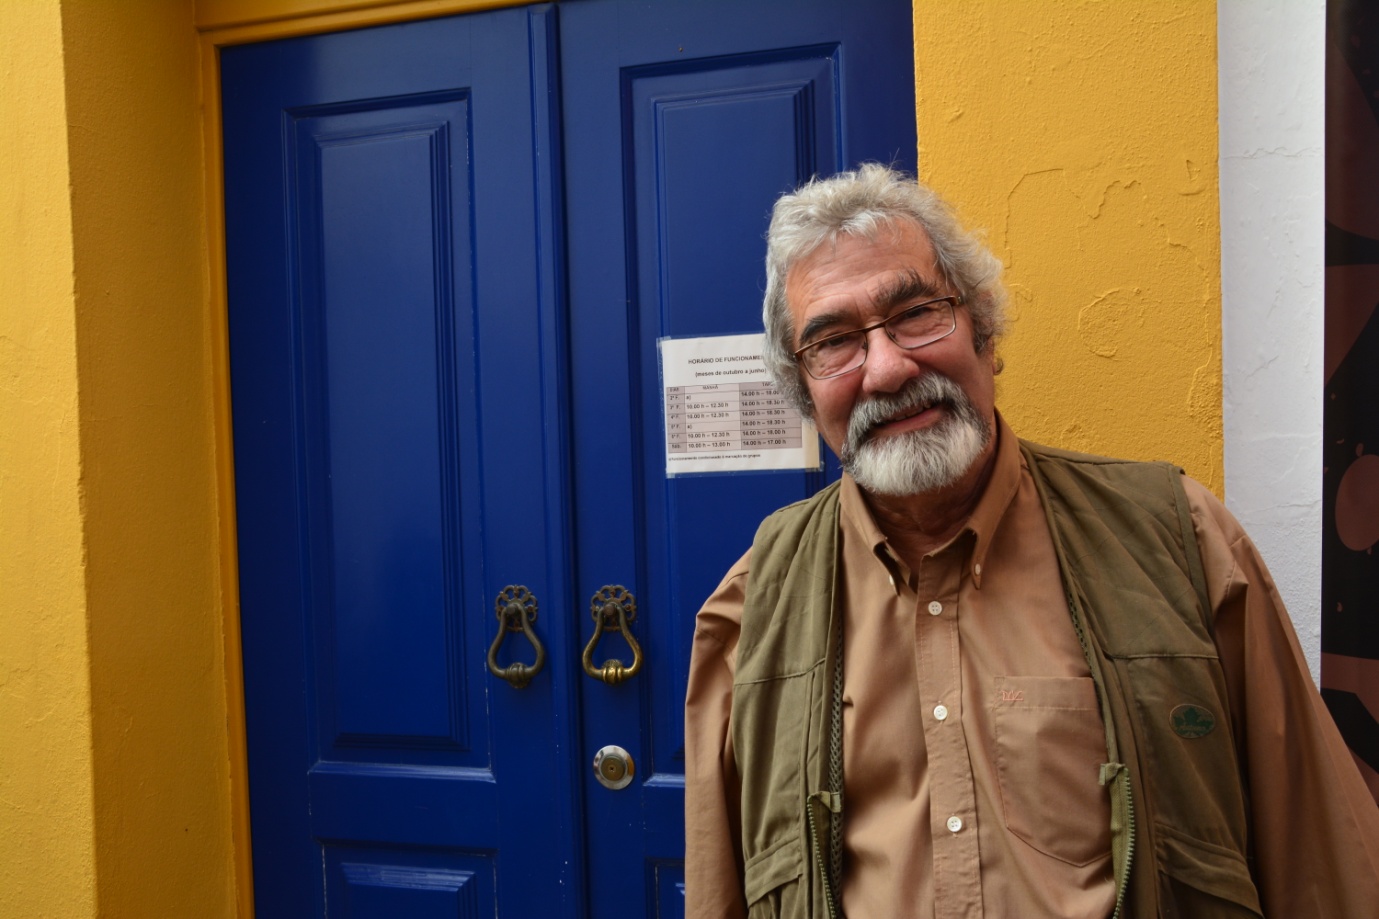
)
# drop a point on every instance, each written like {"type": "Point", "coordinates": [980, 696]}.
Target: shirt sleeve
{"type": "Point", "coordinates": [713, 838]}
{"type": "Point", "coordinates": [1314, 825]}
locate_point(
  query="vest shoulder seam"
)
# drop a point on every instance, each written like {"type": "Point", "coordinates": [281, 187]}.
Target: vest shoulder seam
{"type": "Point", "coordinates": [1091, 459]}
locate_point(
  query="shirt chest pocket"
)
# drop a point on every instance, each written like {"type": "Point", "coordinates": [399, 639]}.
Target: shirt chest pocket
{"type": "Point", "coordinates": [1049, 745]}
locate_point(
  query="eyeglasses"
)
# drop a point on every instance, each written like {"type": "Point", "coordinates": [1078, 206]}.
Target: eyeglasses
{"type": "Point", "coordinates": [913, 327]}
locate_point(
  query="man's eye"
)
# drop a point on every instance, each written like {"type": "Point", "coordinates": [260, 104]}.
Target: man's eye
{"type": "Point", "coordinates": [836, 343]}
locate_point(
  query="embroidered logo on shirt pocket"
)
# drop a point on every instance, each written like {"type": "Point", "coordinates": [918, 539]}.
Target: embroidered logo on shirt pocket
{"type": "Point", "coordinates": [1049, 749]}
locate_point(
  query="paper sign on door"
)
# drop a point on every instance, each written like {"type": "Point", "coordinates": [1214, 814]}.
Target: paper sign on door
{"type": "Point", "coordinates": [723, 415]}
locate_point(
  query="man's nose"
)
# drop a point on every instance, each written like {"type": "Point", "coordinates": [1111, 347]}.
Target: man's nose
{"type": "Point", "coordinates": [888, 366]}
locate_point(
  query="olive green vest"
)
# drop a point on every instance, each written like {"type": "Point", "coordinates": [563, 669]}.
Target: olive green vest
{"type": "Point", "coordinates": [1136, 593]}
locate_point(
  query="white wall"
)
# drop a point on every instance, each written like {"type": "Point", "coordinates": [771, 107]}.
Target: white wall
{"type": "Point", "coordinates": [1271, 69]}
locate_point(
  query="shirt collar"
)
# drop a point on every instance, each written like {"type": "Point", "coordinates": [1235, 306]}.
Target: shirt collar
{"type": "Point", "coordinates": [982, 525]}
{"type": "Point", "coordinates": [996, 500]}
{"type": "Point", "coordinates": [857, 518]}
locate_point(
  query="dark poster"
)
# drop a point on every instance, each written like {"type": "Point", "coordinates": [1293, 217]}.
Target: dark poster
{"type": "Point", "coordinates": [1350, 454]}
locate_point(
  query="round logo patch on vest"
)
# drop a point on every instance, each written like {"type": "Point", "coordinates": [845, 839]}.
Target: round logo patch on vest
{"type": "Point", "coordinates": [1192, 721]}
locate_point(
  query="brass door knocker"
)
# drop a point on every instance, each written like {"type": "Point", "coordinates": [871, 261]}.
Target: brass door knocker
{"type": "Point", "coordinates": [613, 608]}
{"type": "Point", "coordinates": [516, 609]}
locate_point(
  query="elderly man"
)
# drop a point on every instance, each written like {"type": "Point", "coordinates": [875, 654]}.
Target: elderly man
{"type": "Point", "coordinates": [980, 677]}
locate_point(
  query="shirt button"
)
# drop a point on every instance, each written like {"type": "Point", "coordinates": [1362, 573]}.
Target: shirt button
{"type": "Point", "coordinates": [940, 712]}
{"type": "Point", "coordinates": [935, 607]}
{"type": "Point", "coordinates": [954, 824]}
{"type": "Point", "coordinates": [977, 569]}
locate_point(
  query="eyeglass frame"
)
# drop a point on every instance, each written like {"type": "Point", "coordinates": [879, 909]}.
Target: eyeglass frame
{"type": "Point", "coordinates": [954, 301]}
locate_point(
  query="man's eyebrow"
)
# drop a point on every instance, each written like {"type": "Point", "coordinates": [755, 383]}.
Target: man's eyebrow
{"type": "Point", "coordinates": [907, 286]}
{"type": "Point", "coordinates": [822, 322]}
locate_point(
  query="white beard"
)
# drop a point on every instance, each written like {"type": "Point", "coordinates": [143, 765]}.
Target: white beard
{"type": "Point", "coordinates": [918, 461]}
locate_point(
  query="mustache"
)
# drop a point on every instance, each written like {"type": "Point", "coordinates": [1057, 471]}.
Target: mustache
{"type": "Point", "coordinates": [919, 394]}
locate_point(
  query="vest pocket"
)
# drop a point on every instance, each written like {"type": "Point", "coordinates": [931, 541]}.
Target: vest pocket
{"type": "Point", "coordinates": [1050, 744]}
{"type": "Point", "coordinates": [771, 880]}
{"type": "Point", "coordinates": [1200, 879]}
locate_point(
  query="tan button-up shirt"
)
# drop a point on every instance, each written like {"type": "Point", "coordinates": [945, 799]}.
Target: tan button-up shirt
{"type": "Point", "coordinates": [972, 736]}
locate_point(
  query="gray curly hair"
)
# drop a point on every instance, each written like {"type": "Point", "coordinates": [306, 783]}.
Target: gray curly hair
{"type": "Point", "coordinates": [863, 203]}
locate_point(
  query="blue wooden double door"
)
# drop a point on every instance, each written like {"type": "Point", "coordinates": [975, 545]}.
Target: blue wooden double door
{"type": "Point", "coordinates": [452, 248]}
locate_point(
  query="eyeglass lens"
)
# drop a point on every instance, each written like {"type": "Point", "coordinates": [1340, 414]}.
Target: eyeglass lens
{"type": "Point", "coordinates": [915, 327]}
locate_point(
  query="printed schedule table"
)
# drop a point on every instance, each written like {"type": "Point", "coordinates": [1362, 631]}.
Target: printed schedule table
{"type": "Point", "coordinates": [730, 416]}
{"type": "Point", "coordinates": [723, 415]}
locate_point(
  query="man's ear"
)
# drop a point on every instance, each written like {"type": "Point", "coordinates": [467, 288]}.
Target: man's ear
{"type": "Point", "coordinates": [987, 346]}
{"type": "Point", "coordinates": [806, 406]}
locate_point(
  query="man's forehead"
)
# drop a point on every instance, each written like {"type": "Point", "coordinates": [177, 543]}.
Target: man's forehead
{"type": "Point", "coordinates": [896, 258]}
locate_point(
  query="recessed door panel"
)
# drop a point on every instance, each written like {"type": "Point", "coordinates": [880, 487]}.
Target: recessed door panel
{"type": "Point", "coordinates": [382, 205]}
{"type": "Point", "coordinates": [713, 142]}
{"type": "Point", "coordinates": [374, 884]}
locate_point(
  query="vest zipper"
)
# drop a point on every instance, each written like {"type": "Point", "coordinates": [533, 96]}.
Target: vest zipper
{"type": "Point", "coordinates": [1129, 849]}
{"type": "Point", "coordinates": [1111, 771]}
{"type": "Point", "coordinates": [819, 856]}
{"type": "Point", "coordinates": [1116, 773]}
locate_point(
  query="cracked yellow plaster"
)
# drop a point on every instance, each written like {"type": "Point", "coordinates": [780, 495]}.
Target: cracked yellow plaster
{"type": "Point", "coordinates": [1087, 146]}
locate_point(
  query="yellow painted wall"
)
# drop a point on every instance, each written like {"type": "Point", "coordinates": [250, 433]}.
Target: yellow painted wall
{"type": "Point", "coordinates": [47, 841]}
{"type": "Point", "coordinates": [1082, 134]}
{"type": "Point", "coordinates": [114, 746]}
{"type": "Point", "coordinates": [144, 337]}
